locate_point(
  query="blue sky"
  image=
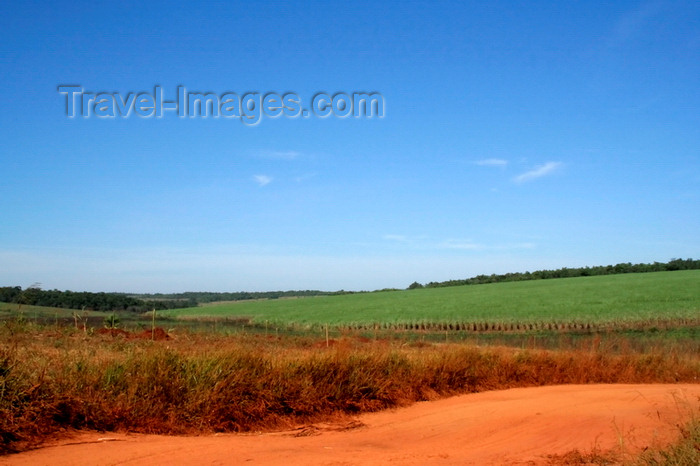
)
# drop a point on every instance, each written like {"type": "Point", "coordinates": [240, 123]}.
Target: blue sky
{"type": "Point", "coordinates": [516, 136]}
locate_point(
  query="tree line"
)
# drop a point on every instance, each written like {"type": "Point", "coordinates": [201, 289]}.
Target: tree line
{"type": "Point", "coordinates": [84, 300]}
{"type": "Point", "coordinates": [565, 272]}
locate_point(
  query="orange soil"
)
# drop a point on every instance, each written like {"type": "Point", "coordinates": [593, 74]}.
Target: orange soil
{"type": "Point", "coordinates": [517, 426]}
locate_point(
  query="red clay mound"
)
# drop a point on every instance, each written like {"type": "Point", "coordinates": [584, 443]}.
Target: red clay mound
{"type": "Point", "coordinates": [155, 334]}
{"type": "Point", "coordinates": [530, 426]}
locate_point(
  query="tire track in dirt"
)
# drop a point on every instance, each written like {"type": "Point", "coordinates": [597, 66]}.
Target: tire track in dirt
{"type": "Point", "coordinates": [517, 426]}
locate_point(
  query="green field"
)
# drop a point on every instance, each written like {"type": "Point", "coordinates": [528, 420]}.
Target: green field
{"type": "Point", "coordinates": [610, 299]}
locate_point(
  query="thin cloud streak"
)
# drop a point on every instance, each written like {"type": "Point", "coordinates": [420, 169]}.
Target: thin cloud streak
{"type": "Point", "coordinates": [491, 163]}
{"type": "Point", "coordinates": [262, 180]}
{"type": "Point", "coordinates": [424, 243]}
{"type": "Point", "coordinates": [538, 172]}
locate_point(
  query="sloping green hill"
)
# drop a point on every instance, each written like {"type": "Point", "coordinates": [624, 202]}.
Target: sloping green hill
{"type": "Point", "coordinates": [599, 300]}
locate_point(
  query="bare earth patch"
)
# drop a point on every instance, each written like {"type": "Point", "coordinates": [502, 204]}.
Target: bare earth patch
{"type": "Point", "coordinates": [523, 426]}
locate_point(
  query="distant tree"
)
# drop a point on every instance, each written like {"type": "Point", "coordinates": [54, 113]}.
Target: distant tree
{"type": "Point", "coordinates": [414, 285]}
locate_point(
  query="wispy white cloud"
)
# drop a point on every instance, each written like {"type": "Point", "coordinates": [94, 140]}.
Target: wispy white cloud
{"type": "Point", "coordinates": [491, 163]}
{"type": "Point", "coordinates": [262, 180]}
{"type": "Point", "coordinates": [538, 172]}
{"type": "Point", "coordinates": [425, 243]}
{"type": "Point", "coordinates": [460, 244]}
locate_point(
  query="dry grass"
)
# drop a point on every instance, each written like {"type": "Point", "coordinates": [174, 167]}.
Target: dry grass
{"type": "Point", "coordinates": [54, 379]}
{"type": "Point", "coordinates": [685, 452]}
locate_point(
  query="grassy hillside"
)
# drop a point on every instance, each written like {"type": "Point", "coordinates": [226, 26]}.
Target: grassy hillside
{"type": "Point", "coordinates": [601, 299]}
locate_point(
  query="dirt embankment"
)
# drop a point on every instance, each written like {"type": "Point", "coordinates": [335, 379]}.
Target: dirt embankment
{"type": "Point", "coordinates": [509, 427]}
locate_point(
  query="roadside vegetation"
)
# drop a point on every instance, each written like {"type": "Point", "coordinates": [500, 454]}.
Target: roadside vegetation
{"type": "Point", "coordinates": [685, 452]}
{"type": "Point", "coordinates": [52, 379]}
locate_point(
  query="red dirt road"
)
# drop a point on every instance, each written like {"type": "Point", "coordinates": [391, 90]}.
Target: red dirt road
{"type": "Point", "coordinates": [509, 427]}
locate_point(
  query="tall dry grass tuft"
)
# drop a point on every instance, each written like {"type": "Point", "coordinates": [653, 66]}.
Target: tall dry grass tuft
{"type": "Point", "coordinates": [58, 379]}
{"type": "Point", "coordinates": [685, 452]}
